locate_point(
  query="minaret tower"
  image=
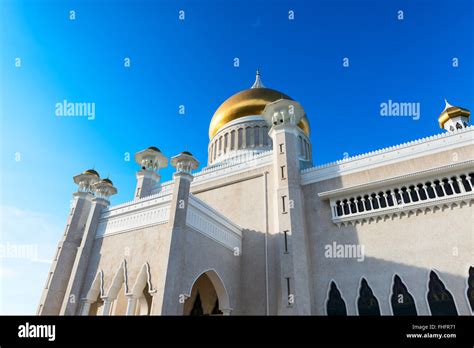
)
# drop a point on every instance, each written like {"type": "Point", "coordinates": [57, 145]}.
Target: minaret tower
{"type": "Point", "coordinates": [102, 190]}
{"type": "Point", "coordinates": [453, 118]}
{"type": "Point", "coordinates": [91, 192]}
{"type": "Point", "coordinates": [150, 161]}
{"type": "Point", "coordinates": [283, 116]}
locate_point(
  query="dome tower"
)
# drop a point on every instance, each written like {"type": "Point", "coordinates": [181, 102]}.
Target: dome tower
{"type": "Point", "coordinates": [238, 128]}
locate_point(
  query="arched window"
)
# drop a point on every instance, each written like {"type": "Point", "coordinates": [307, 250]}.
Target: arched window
{"type": "Point", "coordinates": [470, 288]}
{"type": "Point", "coordinates": [438, 190]}
{"type": "Point", "coordinates": [367, 303]}
{"type": "Point", "coordinates": [421, 192]}
{"type": "Point", "coordinates": [226, 141]}
{"type": "Point", "coordinates": [232, 140]}
{"type": "Point", "coordinates": [430, 190]}
{"type": "Point", "coordinates": [454, 182]}
{"type": "Point", "coordinates": [439, 298]}
{"type": "Point", "coordinates": [300, 145]}
{"type": "Point", "coordinates": [256, 132]}
{"type": "Point", "coordinates": [339, 211]}
{"type": "Point", "coordinates": [447, 187]}
{"type": "Point", "coordinates": [248, 141]}
{"type": "Point", "coordinates": [239, 138]}
{"type": "Point", "coordinates": [402, 301]}
{"type": "Point", "coordinates": [458, 125]}
{"type": "Point", "coordinates": [335, 305]}
{"type": "Point", "coordinates": [265, 135]}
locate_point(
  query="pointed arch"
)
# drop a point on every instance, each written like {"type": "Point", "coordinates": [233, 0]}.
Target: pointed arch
{"type": "Point", "coordinates": [119, 279]}
{"type": "Point", "coordinates": [93, 301]}
{"type": "Point", "coordinates": [97, 287]}
{"type": "Point", "coordinates": [335, 305]}
{"type": "Point", "coordinates": [402, 301]}
{"type": "Point", "coordinates": [118, 290]}
{"type": "Point", "coordinates": [440, 300]}
{"type": "Point", "coordinates": [141, 293]}
{"type": "Point", "coordinates": [367, 303]}
{"type": "Point", "coordinates": [143, 279]}
{"type": "Point", "coordinates": [219, 287]}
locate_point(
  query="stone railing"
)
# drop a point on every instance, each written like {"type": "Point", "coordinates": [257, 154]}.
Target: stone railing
{"type": "Point", "coordinates": [398, 197]}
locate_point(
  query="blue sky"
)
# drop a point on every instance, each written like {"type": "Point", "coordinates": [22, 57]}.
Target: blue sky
{"type": "Point", "coordinates": [191, 63]}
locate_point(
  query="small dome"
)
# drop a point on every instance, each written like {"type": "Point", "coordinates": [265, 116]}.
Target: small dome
{"type": "Point", "coordinates": [154, 148]}
{"type": "Point", "coordinates": [91, 172]}
{"type": "Point", "coordinates": [107, 181]}
{"type": "Point", "coordinates": [186, 153]}
{"type": "Point", "coordinates": [451, 111]}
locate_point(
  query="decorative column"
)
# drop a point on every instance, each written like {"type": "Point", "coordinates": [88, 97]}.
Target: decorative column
{"type": "Point", "coordinates": [86, 306]}
{"type": "Point", "coordinates": [175, 244]}
{"type": "Point", "coordinates": [462, 189]}
{"type": "Point", "coordinates": [106, 307]}
{"type": "Point", "coordinates": [131, 304]}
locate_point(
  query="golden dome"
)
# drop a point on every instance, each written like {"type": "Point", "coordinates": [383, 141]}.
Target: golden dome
{"type": "Point", "coordinates": [248, 102]}
{"type": "Point", "coordinates": [451, 112]}
{"type": "Point", "coordinates": [91, 172]}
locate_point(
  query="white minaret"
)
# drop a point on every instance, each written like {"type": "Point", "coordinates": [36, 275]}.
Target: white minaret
{"type": "Point", "coordinates": [293, 277]}
{"type": "Point", "coordinates": [92, 195]}
{"type": "Point", "coordinates": [150, 160]}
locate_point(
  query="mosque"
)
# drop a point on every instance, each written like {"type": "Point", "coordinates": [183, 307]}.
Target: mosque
{"type": "Point", "coordinates": [261, 231]}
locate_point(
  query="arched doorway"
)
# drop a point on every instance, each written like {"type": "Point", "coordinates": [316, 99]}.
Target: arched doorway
{"type": "Point", "coordinates": [208, 296]}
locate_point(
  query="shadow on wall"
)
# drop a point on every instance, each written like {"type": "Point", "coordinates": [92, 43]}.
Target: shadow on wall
{"type": "Point", "coordinates": [346, 282]}
{"type": "Point", "coordinates": [387, 288]}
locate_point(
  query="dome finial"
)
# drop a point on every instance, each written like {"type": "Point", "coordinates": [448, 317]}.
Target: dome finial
{"type": "Point", "coordinates": [258, 82]}
{"type": "Point", "coordinates": [447, 105]}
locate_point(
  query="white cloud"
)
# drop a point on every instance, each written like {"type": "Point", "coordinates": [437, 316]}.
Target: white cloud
{"type": "Point", "coordinates": [27, 243]}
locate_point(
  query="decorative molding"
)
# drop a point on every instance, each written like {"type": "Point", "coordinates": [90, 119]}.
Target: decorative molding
{"type": "Point", "coordinates": [233, 166]}
{"type": "Point", "coordinates": [398, 180]}
{"type": "Point", "coordinates": [394, 154]}
{"type": "Point", "coordinates": [213, 225]}
{"type": "Point", "coordinates": [140, 217]}
{"type": "Point", "coordinates": [163, 195]}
